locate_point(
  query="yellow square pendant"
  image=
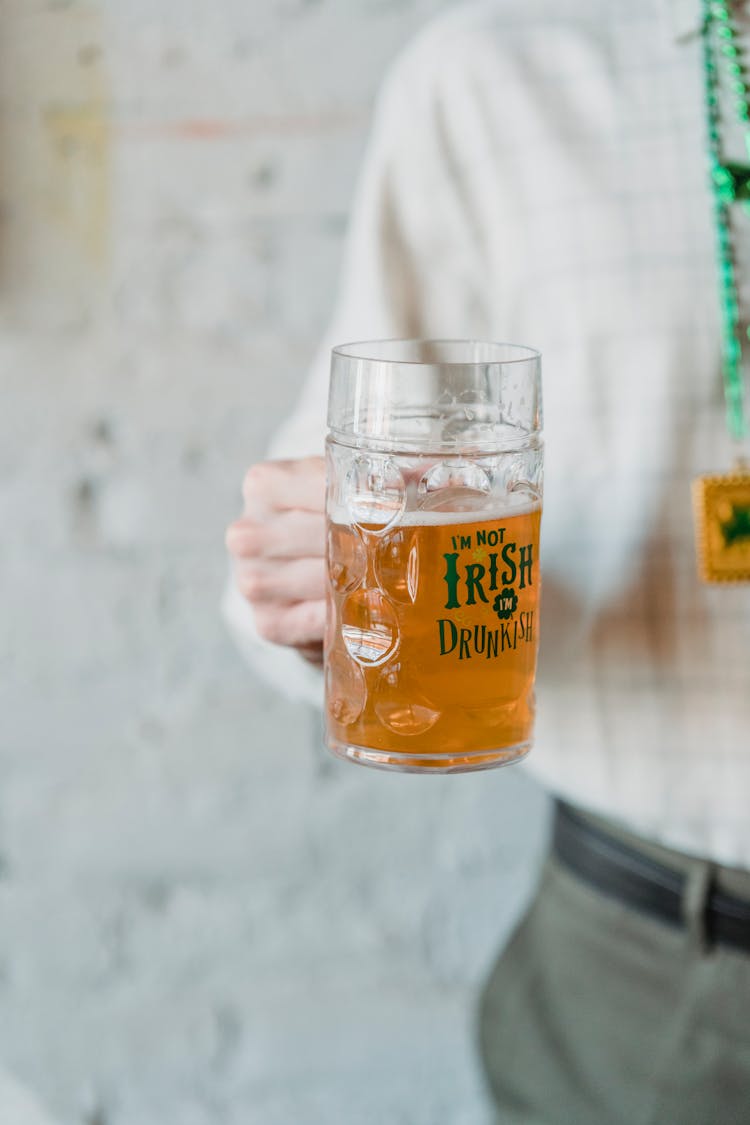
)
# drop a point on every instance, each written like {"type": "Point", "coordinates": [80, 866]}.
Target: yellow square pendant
{"type": "Point", "coordinates": [722, 526]}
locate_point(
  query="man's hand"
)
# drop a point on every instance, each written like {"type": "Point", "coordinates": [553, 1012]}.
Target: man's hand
{"type": "Point", "coordinates": [278, 550]}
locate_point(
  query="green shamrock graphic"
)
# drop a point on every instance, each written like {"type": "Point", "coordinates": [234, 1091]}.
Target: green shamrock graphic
{"type": "Point", "coordinates": [506, 603]}
{"type": "Point", "coordinates": [738, 526]}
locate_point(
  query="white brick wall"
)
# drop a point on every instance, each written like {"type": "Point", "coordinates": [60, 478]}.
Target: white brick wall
{"type": "Point", "coordinates": [202, 918]}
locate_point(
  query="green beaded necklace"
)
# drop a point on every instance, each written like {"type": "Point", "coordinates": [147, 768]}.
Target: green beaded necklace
{"type": "Point", "coordinates": [730, 182]}
{"type": "Point", "coordinates": [722, 501]}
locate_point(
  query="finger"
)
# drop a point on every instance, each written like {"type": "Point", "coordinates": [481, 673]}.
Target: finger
{"type": "Point", "coordinates": [287, 535]}
{"type": "Point", "coordinates": [313, 654]}
{"type": "Point", "coordinates": [244, 538]}
{"type": "Point", "coordinates": [283, 485]}
{"type": "Point", "coordinates": [300, 624]}
{"type": "Point", "coordinates": [262, 581]}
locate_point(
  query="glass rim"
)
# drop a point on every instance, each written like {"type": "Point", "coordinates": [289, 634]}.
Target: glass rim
{"type": "Point", "coordinates": [365, 351]}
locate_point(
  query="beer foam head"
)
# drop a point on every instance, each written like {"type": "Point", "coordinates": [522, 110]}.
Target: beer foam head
{"type": "Point", "coordinates": [492, 509]}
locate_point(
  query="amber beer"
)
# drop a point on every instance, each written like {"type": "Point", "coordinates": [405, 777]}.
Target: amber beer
{"type": "Point", "coordinates": [432, 638]}
{"type": "Point", "coordinates": [434, 492]}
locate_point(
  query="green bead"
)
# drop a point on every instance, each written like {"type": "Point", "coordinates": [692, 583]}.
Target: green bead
{"type": "Point", "coordinates": [729, 50]}
{"type": "Point", "coordinates": [724, 185]}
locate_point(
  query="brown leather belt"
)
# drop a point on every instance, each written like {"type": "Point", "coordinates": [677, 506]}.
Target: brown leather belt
{"type": "Point", "coordinates": [626, 874]}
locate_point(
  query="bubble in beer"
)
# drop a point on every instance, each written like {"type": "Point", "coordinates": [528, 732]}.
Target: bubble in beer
{"type": "Point", "coordinates": [397, 564]}
{"type": "Point", "coordinates": [369, 627]}
{"type": "Point", "coordinates": [347, 562]}
{"type": "Point", "coordinates": [375, 492]}
{"type": "Point", "coordinates": [346, 689]}
{"type": "Point", "coordinates": [399, 704]}
{"type": "Point", "coordinates": [454, 486]}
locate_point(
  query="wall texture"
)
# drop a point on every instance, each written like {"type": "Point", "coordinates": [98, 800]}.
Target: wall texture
{"type": "Point", "coordinates": [202, 918]}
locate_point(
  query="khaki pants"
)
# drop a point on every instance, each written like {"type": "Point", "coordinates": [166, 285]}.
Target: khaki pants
{"type": "Point", "coordinates": [598, 1015]}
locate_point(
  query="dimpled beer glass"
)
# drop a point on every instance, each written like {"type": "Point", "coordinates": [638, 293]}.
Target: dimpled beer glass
{"type": "Point", "coordinates": [434, 499]}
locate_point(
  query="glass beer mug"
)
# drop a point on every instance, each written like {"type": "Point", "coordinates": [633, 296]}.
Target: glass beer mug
{"type": "Point", "coordinates": [434, 460]}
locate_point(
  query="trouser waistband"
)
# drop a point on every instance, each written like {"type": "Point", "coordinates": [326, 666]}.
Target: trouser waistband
{"type": "Point", "coordinates": [677, 889]}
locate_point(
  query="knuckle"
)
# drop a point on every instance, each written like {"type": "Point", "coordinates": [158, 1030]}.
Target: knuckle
{"type": "Point", "coordinates": [307, 624]}
{"type": "Point", "coordinates": [230, 538]}
{"type": "Point", "coordinates": [234, 537]}
{"type": "Point", "coordinates": [269, 626]}
{"type": "Point", "coordinates": [252, 585]}
{"type": "Point", "coordinates": [256, 480]}
{"type": "Point", "coordinates": [244, 541]}
{"type": "Point", "coordinates": [252, 543]}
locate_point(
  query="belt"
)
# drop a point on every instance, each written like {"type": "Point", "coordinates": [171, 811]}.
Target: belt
{"type": "Point", "coordinates": [624, 873]}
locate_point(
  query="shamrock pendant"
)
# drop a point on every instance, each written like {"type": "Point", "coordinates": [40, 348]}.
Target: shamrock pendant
{"type": "Point", "coordinates": [722, 522]}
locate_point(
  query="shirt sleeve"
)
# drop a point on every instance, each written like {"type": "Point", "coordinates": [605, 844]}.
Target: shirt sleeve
{"type": "Point", "coordinates": [412, 267]}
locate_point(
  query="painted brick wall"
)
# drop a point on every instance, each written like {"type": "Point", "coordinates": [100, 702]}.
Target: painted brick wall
{"type": "Point", "coordinates": [202, 918]}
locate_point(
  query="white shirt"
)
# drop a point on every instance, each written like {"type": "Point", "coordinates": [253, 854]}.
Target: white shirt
{"type": "Point", "coordinates": [537, 173]}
